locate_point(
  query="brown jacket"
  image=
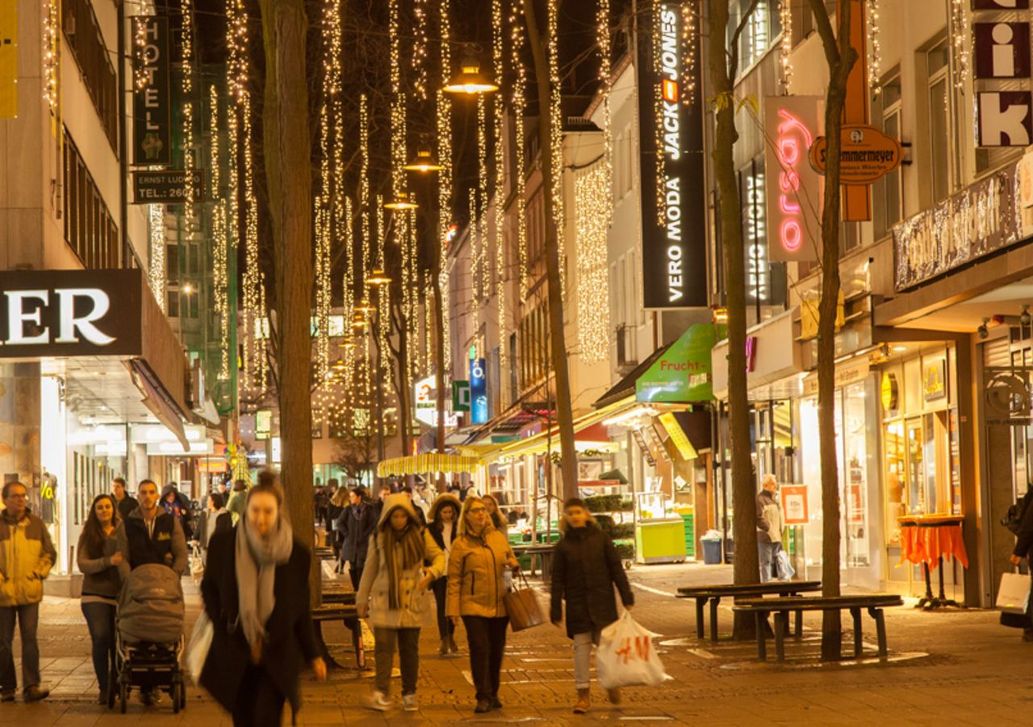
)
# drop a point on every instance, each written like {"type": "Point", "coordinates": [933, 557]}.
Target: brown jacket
{"type": "Point", "coordinates": [476, 569]}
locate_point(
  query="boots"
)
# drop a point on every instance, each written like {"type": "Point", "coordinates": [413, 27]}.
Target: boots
{"type": "Point", "coordinates": [444, 648]}
{"type": "Point", "coordinates": [583, 701]}
{"type": "Point", "coordinates": [452, 644]}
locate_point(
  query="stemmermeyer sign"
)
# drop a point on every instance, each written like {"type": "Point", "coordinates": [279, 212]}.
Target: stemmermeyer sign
{"type": "Point", "coordinates": [674, 266]}
{"type": "Point", "coordinates": [70, 313]}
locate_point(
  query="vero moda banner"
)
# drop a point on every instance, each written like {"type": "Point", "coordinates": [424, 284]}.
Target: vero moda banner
{"type": "Point", "coordinates": [478, 391]}
{"type": "Point", "coordinates": [674, 226]}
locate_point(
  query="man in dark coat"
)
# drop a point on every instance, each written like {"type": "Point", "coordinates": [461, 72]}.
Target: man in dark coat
{"type": "Point", "coordinates": [355, 524]}
{"type": "Point", "coordinates": [1023, 548]}
{"type": "Point", "coordinates": [153, 535]}
{"type": "Point", "coordinates": [585, 568]}
{"type": "Point", "coordinates": [290, 641]}
{"type": "Point", "coordinates": [126, 503]}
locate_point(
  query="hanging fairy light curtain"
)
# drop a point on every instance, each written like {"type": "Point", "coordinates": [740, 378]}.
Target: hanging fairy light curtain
{"type": "Point", "coordinates": [556, 114]}
{"type": "Point", "coordinates": [519, 106]}
{"type": "Point", "coordinates": [186, 42]}
{"type": "Point", "coordinates": [498, 188]}
{"type": "Point", "coordinates": [220, 235]}
{"type": "Point", "coordinates": [445, 201]}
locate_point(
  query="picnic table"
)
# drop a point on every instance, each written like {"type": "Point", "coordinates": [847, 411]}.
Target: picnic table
{"type": "Point", "coordinates": [544, 554]}
{"type": "Point", "coordinates": [780, 607]}
{"type": "Point", "coordinates": [714, 593]}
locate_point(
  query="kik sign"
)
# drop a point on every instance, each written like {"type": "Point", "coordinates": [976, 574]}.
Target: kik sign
{"type": "Point", "coordinates": [1001, 49]}
{"type": "Point", "coordinates": [152, 101]}
{"type": "Point", "coordinates": [673, 196]}
{"type": "Point", "coordinates": [70, 313]}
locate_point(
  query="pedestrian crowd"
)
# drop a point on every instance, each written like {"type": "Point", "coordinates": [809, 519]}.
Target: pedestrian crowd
{"type": "Point", "coordinates": [399, 549]}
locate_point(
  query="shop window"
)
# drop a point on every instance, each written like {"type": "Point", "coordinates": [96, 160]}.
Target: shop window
{"type": "Point", "coordinates": [82, 33]}
{"type": "Point", "coordinates": [89, 228]}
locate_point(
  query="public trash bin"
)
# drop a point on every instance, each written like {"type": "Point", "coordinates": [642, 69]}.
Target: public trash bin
{"type": "Point", "coordinates": [711, 547]}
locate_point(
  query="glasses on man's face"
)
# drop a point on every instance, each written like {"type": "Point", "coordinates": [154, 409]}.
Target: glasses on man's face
{"type": "Point", "coordinates": [17, 496]}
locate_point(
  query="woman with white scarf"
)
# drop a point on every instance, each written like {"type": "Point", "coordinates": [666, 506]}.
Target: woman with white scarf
{"type": "Point", "coordinates": [256, 594]}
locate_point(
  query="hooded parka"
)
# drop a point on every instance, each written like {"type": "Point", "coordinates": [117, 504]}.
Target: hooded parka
{"type": "Point", "coordinates": [375, 586]}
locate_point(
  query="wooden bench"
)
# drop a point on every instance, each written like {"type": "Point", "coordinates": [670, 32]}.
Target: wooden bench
{"type": "Point", "coordinates": [347, 613]}
{"type": "Point", "coordinates": [715, 593]}
{"type": "Point", "coordinates": [780, 607]}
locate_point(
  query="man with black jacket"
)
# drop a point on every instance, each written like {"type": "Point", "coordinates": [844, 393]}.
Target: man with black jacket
{"type": "Point", "coordinates": [355, 524]}
{"type": "Point", "coordinates": [155, 536]}
{"type": "Point", "coordinates": [1023, 546]}
{"type": "Point", "coordinates": [125, 502]}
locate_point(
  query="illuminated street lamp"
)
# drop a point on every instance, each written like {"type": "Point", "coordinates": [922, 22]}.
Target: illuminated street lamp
{"type": "Point", "coordinates": [359, 322]}
{"type": "Point", "coordinates": [470, 81]}
{"type": "Point", "coordinates": [364, 308]}
{"type": "Point", "coordinates": [424, 162]}
{"type": "Point", "coordinates": [400, 203]}
{"type": "Point", "coordinates": [378, 277]}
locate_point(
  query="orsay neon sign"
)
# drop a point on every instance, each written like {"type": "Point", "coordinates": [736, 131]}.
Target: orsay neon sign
{"type": "Point", "coordinates": [792, 143]}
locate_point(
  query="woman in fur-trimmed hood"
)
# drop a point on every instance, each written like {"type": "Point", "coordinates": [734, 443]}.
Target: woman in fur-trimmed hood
{"type": "Point", "coordinates": [402, 561]}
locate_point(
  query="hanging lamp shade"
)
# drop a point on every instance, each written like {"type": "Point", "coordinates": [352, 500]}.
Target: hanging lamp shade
{"type": "Point", "coordinates": [470, 81]}
{"type": "Point", "coordinates": [364, 308]}
{"type": "Point", "coordinates": [424, 162]}
{"type": "Point", "coordinates": [401, 202]}
{"type": "Point", "coordinates": [359, 322]}
{"type": "Point", "coordinates": [378, 277]}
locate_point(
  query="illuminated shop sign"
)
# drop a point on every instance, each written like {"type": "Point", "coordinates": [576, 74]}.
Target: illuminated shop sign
{"type": "Point", "coordinates": [1001, 49]}
{"type": "Point", "coordinates": [794, 196]}
{"type": "Point", "coordinates": [152, 101]}
{"type": "Point", "coordinates": [478, 391]}
{"type": "Point", "coordinates": [70, 313]}
{"type": "Point", "coordinates": [673, 196]}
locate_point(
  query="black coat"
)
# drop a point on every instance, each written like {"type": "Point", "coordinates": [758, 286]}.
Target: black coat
{"type": "Point", "coordinates": [355, 524]}
{"type": "Point", "coordinates": [291, 642]}
{"type": "Point", "coordinates": [585, 568]}
{"type": "Point", "coordinates": [1024, 538]}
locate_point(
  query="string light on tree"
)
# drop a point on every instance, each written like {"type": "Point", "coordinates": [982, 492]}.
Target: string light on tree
{"type": "Point", "coordinates": [445, 188]}
{"type": "Point", "coordinates": [592, 210]}
{"type": "Point", "coordinates": [874, 49]}
{"type": "Point", "coordinates": [156, 272]}
{"type": "Point", "coordinates": [556, 114]}
{"type": "Point", "coordinates": [785, 48]}
{"type": "Point", "coordinates": [220, 242]}
{"type": "Point", "coordinates": [959, 29]}
{"type": "Point", "coordinates": [187, 86]}
{"type": "Point", "coordinates": [519, 106]}
{"type": "Point", "coordinates": [483, 274]}
{"type": "Point", "coordinates": [603, 42]}
{"type": "Point", "coordinates": [419, 48]}
{"type": "Point", "coordinates": [498, 188]}
{"type": "Point", "coordinates": [51, 49]}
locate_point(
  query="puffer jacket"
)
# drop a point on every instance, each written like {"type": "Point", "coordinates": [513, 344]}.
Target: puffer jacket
{"type": "Point", "coordinates": [374, 587]}
{"type": "Point", "coordinates": [26, 557]}
{"type": "Point", "coordinates": [476, 574]}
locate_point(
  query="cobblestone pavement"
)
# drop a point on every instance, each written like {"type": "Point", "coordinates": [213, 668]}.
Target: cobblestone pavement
{"type": "Point", "coordinates": [959, 667]}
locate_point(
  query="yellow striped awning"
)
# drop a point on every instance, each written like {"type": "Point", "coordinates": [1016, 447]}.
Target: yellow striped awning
{"type": "Point", "coordinates": [430, 462]}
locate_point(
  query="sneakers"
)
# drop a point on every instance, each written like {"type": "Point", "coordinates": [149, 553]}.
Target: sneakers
{"type": "Point", "coordinates": [583, 701]}
{"type": "Point", "coordinates": [379, 701]}
{"type": "Point", "coordinates": [35, 694]}
{"type": "Point", "coordinates": [614, 695]}
{"type": "Point", "coordinates": [409, 703]}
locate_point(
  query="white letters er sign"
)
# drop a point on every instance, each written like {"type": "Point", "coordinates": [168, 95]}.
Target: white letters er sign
{"type": "Point", "coordinates": [70, 313]}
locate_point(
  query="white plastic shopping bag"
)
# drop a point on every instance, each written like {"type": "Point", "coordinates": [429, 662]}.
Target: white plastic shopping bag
{"type": "Point", "coordinates": [1013, 595]}
{"type": "Point", "coordinates": [626, 655]}
{"type": "Point", "coordinates": [200, 643]}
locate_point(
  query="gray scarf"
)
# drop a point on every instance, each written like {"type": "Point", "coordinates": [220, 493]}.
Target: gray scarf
{"type": "Point", "coordinates": [257, 558]}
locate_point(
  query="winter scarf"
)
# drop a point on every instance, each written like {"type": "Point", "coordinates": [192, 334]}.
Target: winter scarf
{"type": "Point", "coordinates": [257, 558]}
{"type": "Point", "coordinates": [404, 550]}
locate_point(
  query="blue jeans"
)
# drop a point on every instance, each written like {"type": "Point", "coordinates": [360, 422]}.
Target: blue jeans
{"type": "Point", "coordinates": [28, 622]}
{"type": "Point", "coordinates": [100, 619]}
{"type": "Point", "coordinates": [766, 556]}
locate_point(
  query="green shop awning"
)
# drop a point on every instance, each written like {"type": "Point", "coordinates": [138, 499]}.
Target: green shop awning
{"type": "Point", "coordinates": [681, 374]}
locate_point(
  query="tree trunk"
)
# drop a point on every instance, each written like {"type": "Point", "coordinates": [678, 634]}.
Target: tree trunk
{"type": "Point", "coordinates": [287, 165]}
{"type": "Point", "coordinates": [840, 57]}
{"type": "Point", "coordinates": [439, 340]}
{"type": "Point", "coordinates": [553, 273]}
{"type": "Point", "coordinates": [744, 487]}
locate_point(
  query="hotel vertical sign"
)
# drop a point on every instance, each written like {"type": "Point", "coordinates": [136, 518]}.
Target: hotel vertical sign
{"type": "Point", "coordinates": [674, 251]}
{"type": "Point", "coordinates": [1001, 49]}
{"type": "Point", "coordinates": [152, 100]}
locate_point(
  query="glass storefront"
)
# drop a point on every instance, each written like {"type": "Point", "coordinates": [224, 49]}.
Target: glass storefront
{"type": "Point", "coordinates": [920, 434]}
{"type": "Point", "coordinates": [856, 445]}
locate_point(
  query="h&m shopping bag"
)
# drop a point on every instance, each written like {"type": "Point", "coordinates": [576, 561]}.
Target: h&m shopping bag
{"type": "Point", "coordinates": [523, 607]}
{"type": "Point", "coordinates": [627, 656]}
{"type": "Point", "coordinates": [1013, 595]}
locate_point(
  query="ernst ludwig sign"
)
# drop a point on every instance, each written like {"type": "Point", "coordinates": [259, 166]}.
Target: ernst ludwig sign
{"type": "Point", "coordinates": [70, 313]}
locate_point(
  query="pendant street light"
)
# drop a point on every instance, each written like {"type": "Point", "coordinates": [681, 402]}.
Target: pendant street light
{"type": "Point", "coordinates": [401, 203]}
{"type": "Point", "coordinates": [424, 162]}
{"type": "Point", "coordinates": [359, 322]}
{"type": "Point", "coordinates": [377, 278]}
{"type": "Point", "coordinates": [470, 81]}
{"type": "Point", "coordinates": [364, 308]}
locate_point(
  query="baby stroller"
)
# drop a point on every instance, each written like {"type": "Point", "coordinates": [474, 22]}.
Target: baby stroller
{"type": "Point", "coordinates": [149, 640]}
